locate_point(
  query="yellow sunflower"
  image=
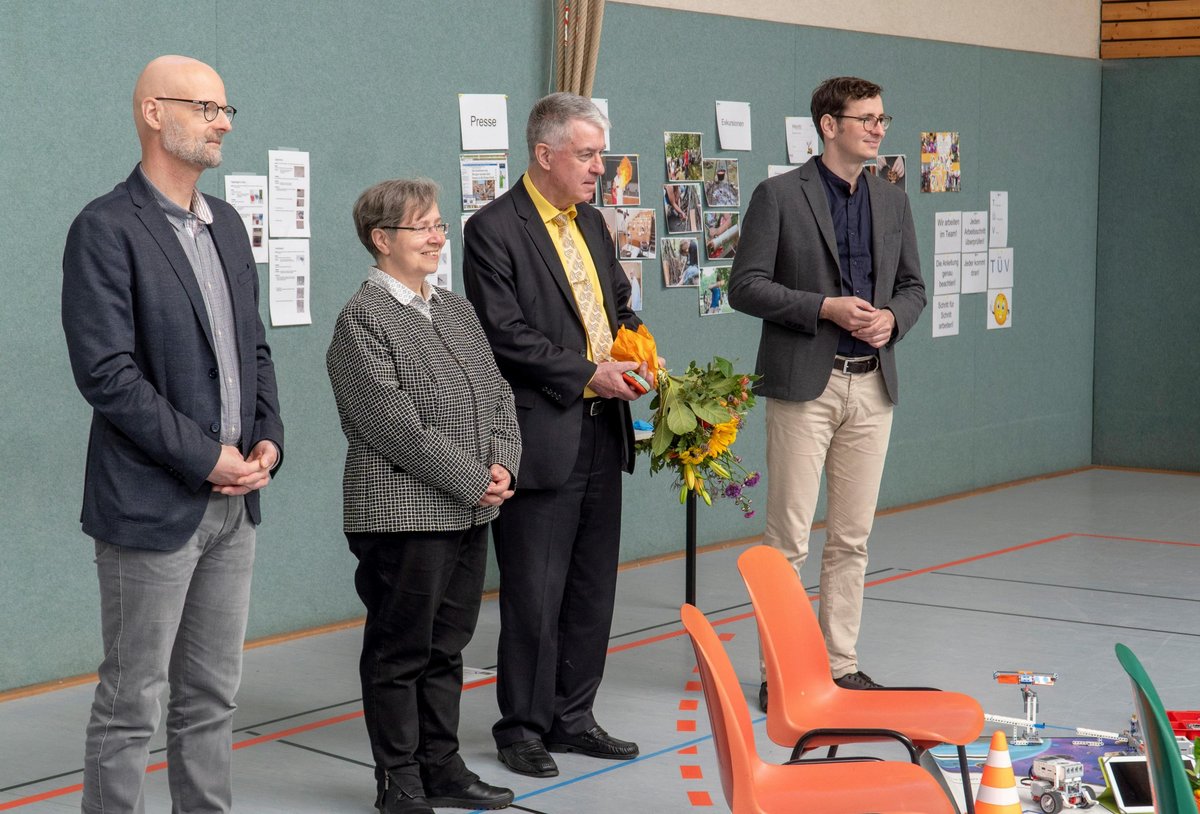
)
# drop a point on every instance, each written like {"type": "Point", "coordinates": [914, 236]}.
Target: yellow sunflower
{"type": "Point", "coordinates": [723, 436]}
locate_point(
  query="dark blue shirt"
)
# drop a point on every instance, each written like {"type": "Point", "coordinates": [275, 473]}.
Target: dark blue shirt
{"type": "Point", "coordinates": [852, 227]}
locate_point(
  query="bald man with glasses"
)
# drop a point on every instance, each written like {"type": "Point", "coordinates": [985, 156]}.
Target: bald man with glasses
{"type": "Point", "coordinates": [160, 312]}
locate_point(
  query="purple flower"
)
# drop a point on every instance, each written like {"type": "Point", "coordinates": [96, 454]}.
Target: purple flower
{"type": "Point", "coordinates": [733, 491]}
{"type": "Point", "coordinates": [749, 514]}
{"type": "Point", "coordinates": [752, 480]}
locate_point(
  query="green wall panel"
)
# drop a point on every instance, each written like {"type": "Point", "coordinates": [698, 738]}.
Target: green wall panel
{"type": "Point", "coordinates": [370, 89]}
{"type": "Point", "coordinates": [1147, 408]}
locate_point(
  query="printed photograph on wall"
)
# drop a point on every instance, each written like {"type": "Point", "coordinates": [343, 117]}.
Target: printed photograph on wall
{"type": "Point", "coordinates": [721, 182]}
{"type": "Point", "coordinates": [636, 236]}
{"type": "Point", "coordinates": [680, 261]}
{"type": "Point", "coordinates": [940, 162]}
{"type": "Point", "coordinates": [681, 208]}
{"type": "Point", "coordinates": [888, 167]}
{"type": "Point", "coordinates": [683, 156]}
{"type": "Point", "coordinates": [619, 185]}
{"type": "Point", "coordinates": [721, 232]}
{"type": "Point", "coordinates": [714, 285]}
{"type": "Point", "coordinates": [610, 220]}
{"type": "Point", "coordinates": [633, 270]}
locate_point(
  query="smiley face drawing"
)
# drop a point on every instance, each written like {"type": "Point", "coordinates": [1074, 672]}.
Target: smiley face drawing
{"type": "Point", "coordinates": [1000, 309]}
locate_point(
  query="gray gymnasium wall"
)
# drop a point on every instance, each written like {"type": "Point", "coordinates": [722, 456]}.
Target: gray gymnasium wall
{"type": "Point", "coordinates": [369, 88]}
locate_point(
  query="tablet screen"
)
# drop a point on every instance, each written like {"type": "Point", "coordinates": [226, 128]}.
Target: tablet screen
{"type": "Point", "coordinates": [1129, 778]}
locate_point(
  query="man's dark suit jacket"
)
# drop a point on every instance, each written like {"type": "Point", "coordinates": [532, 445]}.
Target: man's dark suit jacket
{"type": "Point", "coordinates": [519, 288]}
{"type": "Point", "coordinates": [142, 354]}
{"type": "Point", "coordinates": [787, 263]}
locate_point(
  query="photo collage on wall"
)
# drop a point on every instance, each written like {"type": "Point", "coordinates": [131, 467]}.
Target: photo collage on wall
{"type": "Point", "coordinates": [700, 212]}
{"type": "Point", "coordinates": [633, 228]}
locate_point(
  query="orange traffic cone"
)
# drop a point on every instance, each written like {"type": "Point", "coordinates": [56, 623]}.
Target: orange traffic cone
{"type": "Point", "coordinates": [998, 788]}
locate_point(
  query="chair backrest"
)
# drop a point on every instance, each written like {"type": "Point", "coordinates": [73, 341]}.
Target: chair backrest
{"type": "Point", "coordinates": [1168, 778]}
{"type": "Point", "coordinates": [733, 733]}
{"type": "Point", "coordinates": [792, 644]}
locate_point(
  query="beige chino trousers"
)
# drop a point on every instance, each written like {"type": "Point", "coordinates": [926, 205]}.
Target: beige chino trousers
{"type": "Point", "coordinates": [845, 431]}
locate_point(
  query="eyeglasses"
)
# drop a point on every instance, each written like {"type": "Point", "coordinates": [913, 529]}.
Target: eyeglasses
{"type": "Point", "coordinates": [210, 108]}
{"type": "Point", "coordinates": [868, 122]}
{"type": "Point", "coordinates": [439, 228]}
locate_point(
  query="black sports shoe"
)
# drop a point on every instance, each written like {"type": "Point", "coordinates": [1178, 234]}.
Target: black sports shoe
{"type": "Point", "coordinates": [857, 680]}
{"type": "Point", "coordinates": [762, 696]}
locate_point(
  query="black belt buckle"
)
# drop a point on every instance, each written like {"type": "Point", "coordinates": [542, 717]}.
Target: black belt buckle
{"type": "Point", "coordinates": [595, 406]}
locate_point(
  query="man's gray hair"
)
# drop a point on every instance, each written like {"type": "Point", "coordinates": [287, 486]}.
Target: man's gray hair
{"type": "Point", "coordinates": [550, 120]}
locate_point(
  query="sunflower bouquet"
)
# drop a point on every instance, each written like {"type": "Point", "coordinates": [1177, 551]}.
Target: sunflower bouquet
{"type": "Point", "coordinates": [696, 420]}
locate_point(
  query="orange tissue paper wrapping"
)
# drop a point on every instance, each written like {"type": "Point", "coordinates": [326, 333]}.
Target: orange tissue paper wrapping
{"type": "Point", "coordinates": [636, 346]}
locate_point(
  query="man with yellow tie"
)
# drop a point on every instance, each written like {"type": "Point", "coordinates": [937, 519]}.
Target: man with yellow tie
{"type": "Point", "coordinates": [541, 270]}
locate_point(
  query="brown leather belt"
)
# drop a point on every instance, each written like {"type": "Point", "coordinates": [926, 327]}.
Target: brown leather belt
{"type": "Point", "coordinates": [853, 367]}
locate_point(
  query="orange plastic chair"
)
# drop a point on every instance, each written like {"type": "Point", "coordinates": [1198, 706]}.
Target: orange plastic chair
{"type": "Point", "coordinates": [807, 709]}
{"type": "Point", "coordinates": [815, 786]}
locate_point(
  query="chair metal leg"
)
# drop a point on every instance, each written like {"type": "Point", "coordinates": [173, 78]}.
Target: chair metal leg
{"type": "Point", "coordinates": [964, 770]}
{"type": "Point", "coordinates": [927, 762]}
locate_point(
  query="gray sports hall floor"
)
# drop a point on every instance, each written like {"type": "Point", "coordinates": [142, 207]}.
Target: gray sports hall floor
{"type": "Point", "coordinates": [1046, 575]}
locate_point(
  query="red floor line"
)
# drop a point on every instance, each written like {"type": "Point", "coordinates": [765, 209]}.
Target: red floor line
{"type": "Point", "coordinates": [483, 682]}
{"type": "Point", "coordinates": [37, 798]}
{"type": "Point", "coordinates": [296, 730]}
{"type": "Point", "coordinates": [964, 560]}
{"type": "Point", "coordinates": [1140, 540]}
{"type": "Point", "coordinates": [675, 634]}
{"type": "Point", "coordinates": [697, 798]}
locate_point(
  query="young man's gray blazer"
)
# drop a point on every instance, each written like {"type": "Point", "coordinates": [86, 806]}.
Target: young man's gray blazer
{"type": "Point", "coordinates": [787, 263]}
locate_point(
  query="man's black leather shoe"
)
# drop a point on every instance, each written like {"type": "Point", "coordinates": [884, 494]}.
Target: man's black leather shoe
{"type": "Point", "coordinates": [396, 801]}
{"type": "Point", "coordinates": [762, 696]}
{"type": "Point", "coordinates": [475, 796]}
{"type": "Point", "coordinates": [528, 758]}
{"type": "Point", "coordinates": [593, 743]}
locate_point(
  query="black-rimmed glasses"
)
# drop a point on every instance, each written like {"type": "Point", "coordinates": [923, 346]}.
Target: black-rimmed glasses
{"type": "Point", "coordinates": [868, 122]}
{"type": "Point", "coordinates": [210, 108]}
{"type": "Point", "coordinates": [440, 228]}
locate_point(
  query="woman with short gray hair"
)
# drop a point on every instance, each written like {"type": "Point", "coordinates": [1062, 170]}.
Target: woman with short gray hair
{"type": "Point", "coordinates": [433, 453]}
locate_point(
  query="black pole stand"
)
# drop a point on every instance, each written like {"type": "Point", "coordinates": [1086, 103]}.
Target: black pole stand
{"type": "Point", "coordinates": [690, 549]}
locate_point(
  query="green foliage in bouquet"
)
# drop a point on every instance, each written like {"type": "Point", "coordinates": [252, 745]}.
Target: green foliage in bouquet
{"type": "Point", "coordinates": [696, 420]}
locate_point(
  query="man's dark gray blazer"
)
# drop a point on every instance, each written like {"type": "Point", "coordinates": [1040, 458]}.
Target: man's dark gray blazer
{"type": "Point", "coordinates": [142, 354]}
{"type": "Point", "coordinates": [517, 283]}
{"type": "Point", "coordinates": [787, 263]}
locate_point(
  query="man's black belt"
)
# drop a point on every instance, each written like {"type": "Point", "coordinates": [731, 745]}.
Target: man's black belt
{"type": "Point", "coordinates": [594, 406]}
{"type": "Point", "coordinates": [852, 367]}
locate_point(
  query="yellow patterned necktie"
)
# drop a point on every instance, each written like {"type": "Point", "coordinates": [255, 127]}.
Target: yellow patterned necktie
{"type": "Point", "coordinates": [594, 320]}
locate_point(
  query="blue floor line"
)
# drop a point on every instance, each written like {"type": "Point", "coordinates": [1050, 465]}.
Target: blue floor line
{"type": "Point", "coordinates": [621, 765]}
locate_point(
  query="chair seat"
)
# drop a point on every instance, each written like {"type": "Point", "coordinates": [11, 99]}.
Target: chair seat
{"type": "Point", "coordinates": [821, 789]}
{"type": "Point", "coordinates": [752, 786]}
{"type": "Point", "coordinates": [955, 719]}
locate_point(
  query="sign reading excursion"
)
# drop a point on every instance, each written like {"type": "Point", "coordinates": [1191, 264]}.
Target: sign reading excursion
{"type": "Point", "coordinates": [733, 125]}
